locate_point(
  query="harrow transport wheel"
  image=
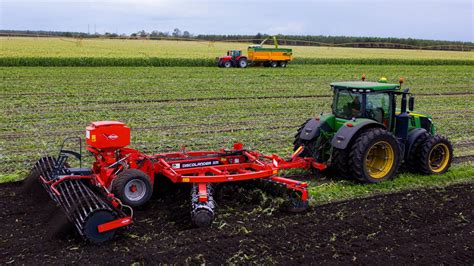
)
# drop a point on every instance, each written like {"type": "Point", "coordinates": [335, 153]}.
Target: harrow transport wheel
{"type": "Point", "coordinates": [243, 63]}
{"type": "Point", "coordinates": [274, 64]}
{"type": "Point", "coordinates": [91, 231]}
{"type": "Point", "coordinates": [283, 64]}
{"type": "Point", "coordinates": [132, 187]}
{"type": "Point", "coordinates": [413, 161]}
{"type": "Point", "coordinates": [374, 156]}
{"type": "Point", "coordinates": [436, 155]}
{"type": "Point", "coordinates": [227, 64]}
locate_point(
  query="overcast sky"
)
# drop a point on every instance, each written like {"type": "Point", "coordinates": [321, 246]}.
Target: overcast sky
{"type": "Point", "coordinates": [435, 19]}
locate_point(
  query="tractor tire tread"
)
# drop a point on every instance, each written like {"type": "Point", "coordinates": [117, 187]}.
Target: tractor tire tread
{"type": "Point", "coordinates": [340, 162]}
{"type": "Point", "coordinates": [413, 161]}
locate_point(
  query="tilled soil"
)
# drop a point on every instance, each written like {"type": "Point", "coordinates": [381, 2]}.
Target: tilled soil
{"type": "Point", "coordinates": [432, 226]}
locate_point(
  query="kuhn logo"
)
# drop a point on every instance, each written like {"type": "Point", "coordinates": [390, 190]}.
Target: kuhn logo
{"type": "Point", "coordinates": [111, 137]}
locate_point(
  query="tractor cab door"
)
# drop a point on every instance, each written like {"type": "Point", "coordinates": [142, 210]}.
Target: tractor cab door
{"type": "Point", "coordinates": [378, 107]}
{"type": "Point", "coordinates": [347, 104]}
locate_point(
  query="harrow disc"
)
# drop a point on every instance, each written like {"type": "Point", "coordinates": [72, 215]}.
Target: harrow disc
{"type": "Point", "coordinates": [202, 213]}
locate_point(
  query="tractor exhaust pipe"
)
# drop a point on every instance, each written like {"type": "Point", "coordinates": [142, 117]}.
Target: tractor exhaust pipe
{"type": "Point", "coordinates": [403, 118]}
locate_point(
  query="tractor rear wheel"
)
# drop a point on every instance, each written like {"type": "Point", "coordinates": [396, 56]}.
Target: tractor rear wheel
{"type": "Point", "coordinates": [243, 63]}
{"type": "Point", "coordinates": [340, 162]}
{"type": "Point", "coordinates": [227, 64]}
{"type": "Point", "coordinates": [273, 63]}
{"type": "Point", "coordinates": [436, 155]}
{"type": "Point", "coordinates": [374, 156]}
{"type": "Point", "coordinates": [132, 187]}
{"type": "Point", "coordinates": [283, 64]}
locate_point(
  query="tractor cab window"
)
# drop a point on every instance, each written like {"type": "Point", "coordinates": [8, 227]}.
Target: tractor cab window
{"type": "Point", "coordinates": [378, 107]}
{"type": "Point", "coordinates": [236, 53]}
{"type": "Point", "coordinates": [347, 104]}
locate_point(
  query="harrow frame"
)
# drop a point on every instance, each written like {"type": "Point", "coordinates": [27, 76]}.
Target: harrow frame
{"type": "Point", "coordinates": [94, 186]}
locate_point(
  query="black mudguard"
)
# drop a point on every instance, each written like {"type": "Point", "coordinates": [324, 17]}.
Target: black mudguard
{"type": "Point", "coordinates": [345, 134]}
{"type": "Point", "coordinates": [412, 136]}
{"type": "Point", "coordinates": [312, 129]}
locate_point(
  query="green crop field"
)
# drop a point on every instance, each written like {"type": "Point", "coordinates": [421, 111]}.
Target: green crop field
{"type": "Point", "coordinates": [210, 108]}
{"type": "Point", "coordinates": [111, 52]}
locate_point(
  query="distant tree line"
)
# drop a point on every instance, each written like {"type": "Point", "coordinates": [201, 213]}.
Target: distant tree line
{"type": "Point", "coordinates": [298, 40]}
{"type": "Point", "coordinates": [346, 41]}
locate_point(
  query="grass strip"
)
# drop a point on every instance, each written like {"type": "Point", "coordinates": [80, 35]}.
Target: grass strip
{"type": "Point", "coordinates": [340, 190]}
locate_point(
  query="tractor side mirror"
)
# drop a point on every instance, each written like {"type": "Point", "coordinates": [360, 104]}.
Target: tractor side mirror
{"type": "Point", "coordinates": [411, 103]}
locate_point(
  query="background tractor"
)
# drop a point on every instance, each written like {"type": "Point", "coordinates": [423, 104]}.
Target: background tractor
{"type": "Point", "coordinates": [257, 54]}
{"type": "Point", "coordinates": [367, 137]}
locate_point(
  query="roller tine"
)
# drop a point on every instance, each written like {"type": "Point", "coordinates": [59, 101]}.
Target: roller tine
{"type": "Point", "coordinates": [79, 200]}
{"type": "Point", "coordinates": [92, 195]}
{"type": "Point", "coordinates": [66, 195]}
{"type": "Point", "coordinates": [69, 208]}
{"type": "Point", "coordinates": [43, 167]}
{"type": "Point", "coordinates": [85, 197]}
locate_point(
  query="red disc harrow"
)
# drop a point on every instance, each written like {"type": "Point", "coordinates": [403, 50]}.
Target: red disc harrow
{"type": "Point", "coordinates": [100, 199]}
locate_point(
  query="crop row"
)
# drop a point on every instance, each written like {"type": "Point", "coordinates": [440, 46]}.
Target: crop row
{"type": "Point", "coordinates": [192, 62]}
{"type": "Point", "coordinates": [107, 48]}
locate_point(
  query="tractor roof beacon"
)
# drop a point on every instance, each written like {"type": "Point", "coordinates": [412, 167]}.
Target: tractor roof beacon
{"type": "Point", "coordinates": [367, 136]}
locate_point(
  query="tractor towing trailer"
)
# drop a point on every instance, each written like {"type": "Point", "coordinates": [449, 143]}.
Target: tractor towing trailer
{"type": "Point", "coordinates": [257, 55]}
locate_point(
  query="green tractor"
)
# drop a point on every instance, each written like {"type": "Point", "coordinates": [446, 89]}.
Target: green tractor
{"type": "Point", "coordinates": [367, 137]}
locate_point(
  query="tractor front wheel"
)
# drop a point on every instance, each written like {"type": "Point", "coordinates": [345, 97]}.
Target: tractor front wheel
{"type": "Point", "coordinates": [375, 156]}
{"type": "Point", "coordinates": [132, 187]}
{"type": "Point", "coordinates": [436, 155]}
{"type": "Point", "coordinates": [227, 64]}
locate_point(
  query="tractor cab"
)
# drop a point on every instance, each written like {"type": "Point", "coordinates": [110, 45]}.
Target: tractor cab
{"type": "Point", "coordinates": [360, 99]}
{"type": "Point", "coordinates": [234, 53]}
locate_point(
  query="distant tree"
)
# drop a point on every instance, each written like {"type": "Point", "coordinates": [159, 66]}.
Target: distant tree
{"type": "Point", "coordinates": [108, 34]}
{"type": "Point", "coordinates": [142, 33]}
{"type": "Point", "coordinates": [186, 34]}
{"type": "Point", "coordinates": [176, 32]}
{"type": "Point", "coordinates": [154, 33]}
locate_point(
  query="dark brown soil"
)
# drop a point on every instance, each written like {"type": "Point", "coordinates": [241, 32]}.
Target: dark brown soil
{"type": "Point", "coordinates": [433, 226]}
